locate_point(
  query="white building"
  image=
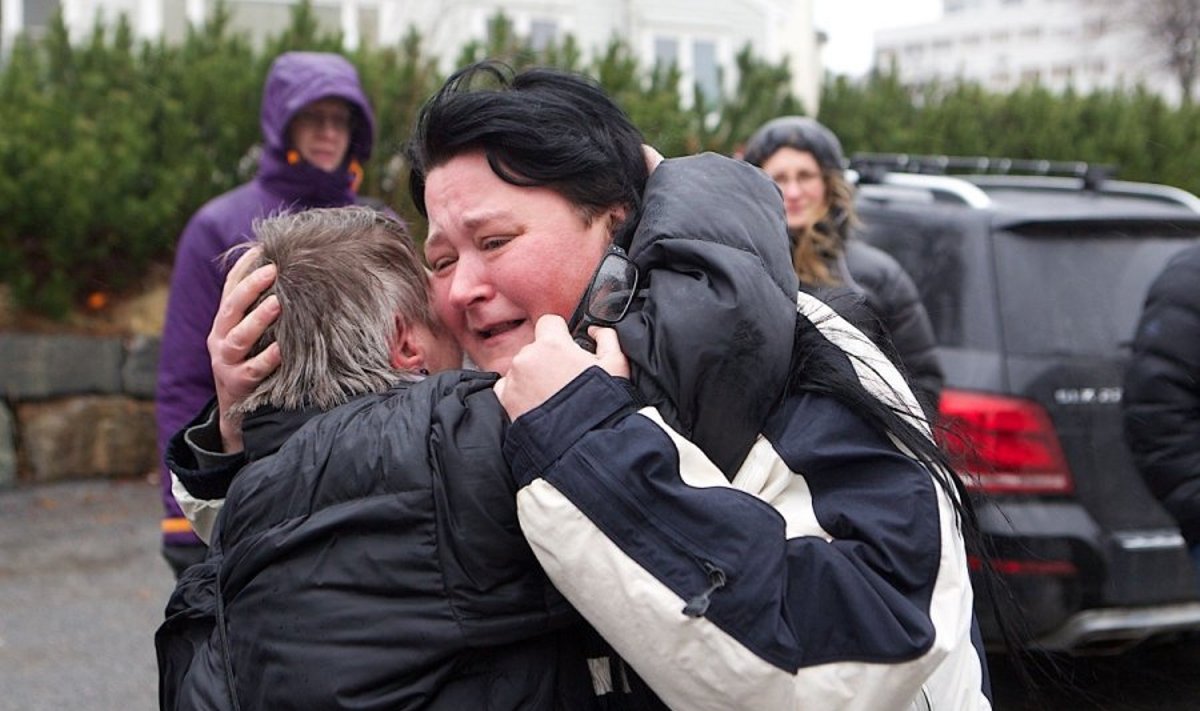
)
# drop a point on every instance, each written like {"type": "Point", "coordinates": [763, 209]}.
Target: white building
{"type": "Point", "coordinates": [701, 37]}
{"type": "Point", "coordinates": [1002, 44]}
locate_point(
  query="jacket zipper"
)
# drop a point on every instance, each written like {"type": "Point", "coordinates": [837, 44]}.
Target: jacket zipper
{"type": "Point", "coordinates": [698, 605]}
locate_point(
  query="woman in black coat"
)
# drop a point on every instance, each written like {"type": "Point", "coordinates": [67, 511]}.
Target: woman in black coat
{"type": "Point", "coordinates": [1161, 401]}
{"type": "Point", "coordinates": [864, 284]}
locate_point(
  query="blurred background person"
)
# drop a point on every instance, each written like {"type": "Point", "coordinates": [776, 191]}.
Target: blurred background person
{"type": "Point", "coordinates": [317, 133]}
{"type": "Point", "coordinates": [863, 284]}
{"type": "Point", "coordinates": [1161, 399]}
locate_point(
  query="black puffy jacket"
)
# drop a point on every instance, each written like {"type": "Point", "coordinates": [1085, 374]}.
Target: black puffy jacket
{"type": "Point", "coordinates": [881, 299]}
{"type": "Point", "coordinates": [1161, 401]}
{"type": "Point", "coordinates": [374, 561]}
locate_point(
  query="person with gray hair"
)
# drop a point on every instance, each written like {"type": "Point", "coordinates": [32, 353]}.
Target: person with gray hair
{"type": "Point", "coordinates": [355, 319]}
{"type": "Point", "coordinates": [367, 554]}
{"type": "Point", "coordinates": [745, 520]}
{"type": "Point", "coordinates": [318, 131]}
{"type": "Point", "coordinates": [355, 315]}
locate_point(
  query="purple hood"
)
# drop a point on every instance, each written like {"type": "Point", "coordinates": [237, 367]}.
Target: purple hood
{"type": "Point", "coordinates": [295, 80]}
{"type": "Point", "coordinates": [185, 382]}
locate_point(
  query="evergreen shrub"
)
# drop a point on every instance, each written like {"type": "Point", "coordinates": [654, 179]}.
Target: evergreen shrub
{"type": "Point", "coordinates": [108, 145]}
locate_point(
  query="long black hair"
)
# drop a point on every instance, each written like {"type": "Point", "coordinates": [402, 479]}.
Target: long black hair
{"type": "Point", "coordinates": [540, 127]}
{"type": "Point", "coordinates": [822, 367]}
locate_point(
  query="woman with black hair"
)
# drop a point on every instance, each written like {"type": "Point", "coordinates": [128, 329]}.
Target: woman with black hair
{"type": "Point", "coordinates": [826, 570]}
{"type": "Point", "coordinates": [763, 520]}
{"type": "Point", "coordinates": [758, 517]}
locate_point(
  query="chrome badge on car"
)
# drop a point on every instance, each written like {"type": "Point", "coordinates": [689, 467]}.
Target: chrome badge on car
{"type": "Point", "coordinates": [1087, 396]}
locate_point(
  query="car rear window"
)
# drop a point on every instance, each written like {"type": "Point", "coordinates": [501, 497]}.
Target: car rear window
{"type": "Point", "coordinates": [1076, 291]}
{"type": "Point", "coordinates": [948, 259]}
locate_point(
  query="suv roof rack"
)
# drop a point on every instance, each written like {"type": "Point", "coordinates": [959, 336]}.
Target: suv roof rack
{"type": "Point", "coordinates": [881, 184]}
{"type": "Point", "coordinates": [1093, 175]}
{"type": "Point", "coordinates": [947, 175]}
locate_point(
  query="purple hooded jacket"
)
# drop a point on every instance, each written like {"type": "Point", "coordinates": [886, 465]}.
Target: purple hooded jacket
{"type": "Point", "coordinates": [185, 381]}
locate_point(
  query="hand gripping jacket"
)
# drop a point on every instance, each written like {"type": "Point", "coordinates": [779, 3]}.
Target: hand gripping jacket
{"type": "Point", "coordinates": [814, 565]}
{"type": "Point", "coordinates": [373, 561]}
{"type": "Point", "coordinates": [740, 549]}
{"type": "Point", "coordinates": [185, 382]}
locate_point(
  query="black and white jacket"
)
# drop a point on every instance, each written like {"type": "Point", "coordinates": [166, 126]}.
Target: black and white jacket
{"type": "Point", "coordinates": [743, 550]}
{"type": "Point", "coordinates": [738, 548]}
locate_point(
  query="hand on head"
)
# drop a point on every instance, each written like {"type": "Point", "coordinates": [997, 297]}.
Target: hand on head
{"type": "Point", "coordinates": [234, 332]}
{"type": "Point", "coordinates": [553, 360]}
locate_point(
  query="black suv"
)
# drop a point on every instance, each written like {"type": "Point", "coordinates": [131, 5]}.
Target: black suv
{"type": "Point", "coordinates": [1034, 284]}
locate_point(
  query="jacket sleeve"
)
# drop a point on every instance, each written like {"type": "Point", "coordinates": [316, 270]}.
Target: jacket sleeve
{"type": "Point", "coordinates": [741, 549]}
{"type": "Point", "coordinates": [185, 374]}
{"type": "Point", "coordinates": [774, 591]}
{"type": "Point", "coordinates": [191, 662]}
{"type": "Point", "coordinates": [1161, 399]}
{"type": "Point", "coordinates": [200, 473]}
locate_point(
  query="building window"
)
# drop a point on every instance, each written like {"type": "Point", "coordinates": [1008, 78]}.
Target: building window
{"type": "Point", "coordinates": [666, 52]}
{"type": "Point", "coordinates": [1062, 72]}
{"type": "Point", "coordinates": [175, 22]}
{"type": "Point", "coordinates": [542, 34]}
{"type": "Point", "coordinates": [39, 12]}
{"type": "Point", "coordinates": [706, 71]}
{"type": "Point", "coordinates": [953, 6]}
{"type": "Point", "coordinates": [1093, 29]}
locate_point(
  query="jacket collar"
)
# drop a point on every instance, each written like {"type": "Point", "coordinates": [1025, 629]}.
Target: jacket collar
{"type": "Point", "coordinates": [266, 429]}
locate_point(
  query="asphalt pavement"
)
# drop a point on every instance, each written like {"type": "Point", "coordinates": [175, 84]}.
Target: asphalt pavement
{"type": "Point", "coordinates": [82, 589]}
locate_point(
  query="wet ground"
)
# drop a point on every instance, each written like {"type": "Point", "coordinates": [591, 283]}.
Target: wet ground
{"type": "Point", "coordinates": [82, 587]}
{"type": "Point", "coordinates": [1158, 677]}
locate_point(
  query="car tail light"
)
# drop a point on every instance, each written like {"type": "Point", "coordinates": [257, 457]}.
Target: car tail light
{"type": "Point", "coordinates": [1002, 445]}
{"type": "Point", "coordinates": [1017, 566]}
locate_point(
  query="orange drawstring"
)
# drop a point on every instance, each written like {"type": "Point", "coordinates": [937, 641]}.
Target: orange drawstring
{"type": "Point", "coordinates": [356, 174]}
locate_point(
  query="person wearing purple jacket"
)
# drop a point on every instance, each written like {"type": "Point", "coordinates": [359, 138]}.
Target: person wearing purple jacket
{"type": "Point", "coordinates": [317, 132]}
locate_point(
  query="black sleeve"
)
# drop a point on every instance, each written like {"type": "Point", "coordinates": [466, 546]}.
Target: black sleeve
{"type": "Point", "coordinates": [193, 456]}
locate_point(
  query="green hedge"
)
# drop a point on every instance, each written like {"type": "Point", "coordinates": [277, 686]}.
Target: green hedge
{"type": "Point", "coordinates": [108, 145]}
{"type": "Point", "coordinates": [1134, 130]}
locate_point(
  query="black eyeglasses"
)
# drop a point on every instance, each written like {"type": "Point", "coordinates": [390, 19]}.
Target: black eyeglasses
{"type": "Point", "coordinates": [317, 120]}
{"type": "Point", "coordinates": [608, 297]}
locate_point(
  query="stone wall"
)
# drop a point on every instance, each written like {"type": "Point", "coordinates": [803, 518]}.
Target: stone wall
{"type": "Point", "coordinates": [76, 407]}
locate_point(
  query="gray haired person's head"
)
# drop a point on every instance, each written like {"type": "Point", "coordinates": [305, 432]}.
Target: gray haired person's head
{"type": "Point", "coordinates": [347, 278]}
